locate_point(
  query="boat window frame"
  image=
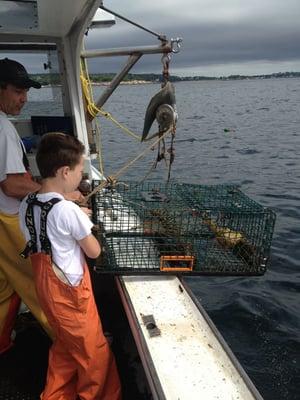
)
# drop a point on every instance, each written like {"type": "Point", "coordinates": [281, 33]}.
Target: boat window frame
{"type": "Point", "coordinates": [32, 44]}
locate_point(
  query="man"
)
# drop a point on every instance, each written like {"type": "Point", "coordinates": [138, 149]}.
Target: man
{"type": "Point", "coordinates": [16, 282]}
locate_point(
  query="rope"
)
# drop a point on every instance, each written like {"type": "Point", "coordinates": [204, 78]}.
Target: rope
{"type": "Point", "coordinates": [99, 142]}
{"type": "Point", "coordinates": [158, 35]}
{"type": "Point", "coordinates": [112, 179]}
{"type": "Point", "coordinates": [89, 95]}
{"type": "Point", "coordinates": [94, 110]}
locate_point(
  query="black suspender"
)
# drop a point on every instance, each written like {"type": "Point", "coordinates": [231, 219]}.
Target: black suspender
{"type": "Point", "coordinates": [31, 246]}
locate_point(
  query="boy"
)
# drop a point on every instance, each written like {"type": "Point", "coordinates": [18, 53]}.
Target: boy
{"type": "Point", "coordinates": [58, 233]}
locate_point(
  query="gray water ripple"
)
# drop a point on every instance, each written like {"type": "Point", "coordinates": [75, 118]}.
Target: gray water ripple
{"type": "Point", "coordinates": [248, 151]}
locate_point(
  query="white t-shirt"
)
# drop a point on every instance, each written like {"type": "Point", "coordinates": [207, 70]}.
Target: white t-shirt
{"type": "Point", "coordinates": [11, 161]}
{"type": "Point", "coordinates": [66, 224]}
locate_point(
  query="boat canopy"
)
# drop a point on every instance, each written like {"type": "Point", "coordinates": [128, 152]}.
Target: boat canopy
{"type": "Point", "coordinates": [37, 18]}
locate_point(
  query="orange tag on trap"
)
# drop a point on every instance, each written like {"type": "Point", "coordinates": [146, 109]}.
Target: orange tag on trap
{"type": "Point", "coordinates": [176, 263]}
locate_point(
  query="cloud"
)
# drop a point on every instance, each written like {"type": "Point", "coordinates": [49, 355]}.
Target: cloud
{"type": "Point", "coordinates": [214, 32]}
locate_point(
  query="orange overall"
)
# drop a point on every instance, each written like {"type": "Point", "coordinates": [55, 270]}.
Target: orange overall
{"type": "Point", "coordinates": [80, 360]}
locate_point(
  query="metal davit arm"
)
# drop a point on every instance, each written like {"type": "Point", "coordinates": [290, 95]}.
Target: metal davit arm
{"type": "Point", "coordinates": [135, 53]}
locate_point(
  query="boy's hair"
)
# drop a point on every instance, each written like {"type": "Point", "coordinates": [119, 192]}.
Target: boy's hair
{"type": "Point", "coordinates": [58, 150]}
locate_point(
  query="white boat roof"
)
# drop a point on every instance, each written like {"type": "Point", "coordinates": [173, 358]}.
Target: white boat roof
{"type": "Point", "coordinates": [49, 18]}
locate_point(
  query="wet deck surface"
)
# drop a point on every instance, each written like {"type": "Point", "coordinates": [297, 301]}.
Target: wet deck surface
{"type": "Point", "coordinates": [23, 368]}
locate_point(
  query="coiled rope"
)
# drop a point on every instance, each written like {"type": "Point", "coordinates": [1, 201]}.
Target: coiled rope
{"type": "Point", "coordinates": [94, 111]}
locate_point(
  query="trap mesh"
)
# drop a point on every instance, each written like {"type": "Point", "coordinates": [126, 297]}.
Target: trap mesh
{"type": "Point", "coordinates": [181, 228]}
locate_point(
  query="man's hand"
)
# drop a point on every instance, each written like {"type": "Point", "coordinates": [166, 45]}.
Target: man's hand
{"type": "Point", "coordinates": [18, 185]}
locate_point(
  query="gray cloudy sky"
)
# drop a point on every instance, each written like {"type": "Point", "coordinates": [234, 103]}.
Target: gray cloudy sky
{"type": "Point", "coordinates": [220, 37]}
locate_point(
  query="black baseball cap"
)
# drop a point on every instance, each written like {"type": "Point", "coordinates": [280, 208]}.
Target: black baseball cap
{"type": "Point", "coordinates": [15, 73]}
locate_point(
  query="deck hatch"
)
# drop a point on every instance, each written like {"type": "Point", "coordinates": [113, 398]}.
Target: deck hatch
{"type": "Point", "coordinates": [150, 325]}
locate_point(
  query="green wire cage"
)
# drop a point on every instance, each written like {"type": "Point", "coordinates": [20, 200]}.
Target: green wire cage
{"type": "Point", "coordinates": [158, 228]}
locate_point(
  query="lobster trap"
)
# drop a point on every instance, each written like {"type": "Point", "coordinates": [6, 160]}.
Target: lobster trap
{"type": "Point", "coordinates": [181, 228]}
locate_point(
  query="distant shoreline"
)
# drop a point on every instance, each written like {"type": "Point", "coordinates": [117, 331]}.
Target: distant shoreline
{"type": "Point", "coordinates": [143, 79]}
{"type": "Point", "coordinates": [134, 82]}
{"type": "Point", "coordinates": [143, 82]}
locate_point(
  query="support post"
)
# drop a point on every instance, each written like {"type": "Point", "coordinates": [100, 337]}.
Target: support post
{"type": "Point", "coordinates": [116, 81]}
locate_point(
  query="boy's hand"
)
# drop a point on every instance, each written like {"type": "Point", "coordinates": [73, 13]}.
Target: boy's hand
{"type": "Point", "coordinates": [87, 211]}
{"type": "Point", "coordinates": [75, 196]}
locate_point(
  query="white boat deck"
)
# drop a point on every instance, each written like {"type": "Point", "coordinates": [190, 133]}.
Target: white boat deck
{"type": "Point", "coordinates": [189, 360]}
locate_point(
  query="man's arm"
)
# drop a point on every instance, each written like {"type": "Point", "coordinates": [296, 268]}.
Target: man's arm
{"type": "Point", "coordinates": [18, 186]}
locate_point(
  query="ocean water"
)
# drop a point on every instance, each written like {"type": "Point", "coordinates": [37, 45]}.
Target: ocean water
{"type": "Point", "coordinates": [260, 151]}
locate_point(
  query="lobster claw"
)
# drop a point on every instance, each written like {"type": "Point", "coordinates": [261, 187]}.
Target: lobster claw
{"type": "Point", "coordinates": [166, 96]}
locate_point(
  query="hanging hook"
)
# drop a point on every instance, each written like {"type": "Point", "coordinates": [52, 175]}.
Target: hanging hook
{"type": "Point", "coordinates": [166, 58]}
{"type": "Point", "coordinates": [176, 44]}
